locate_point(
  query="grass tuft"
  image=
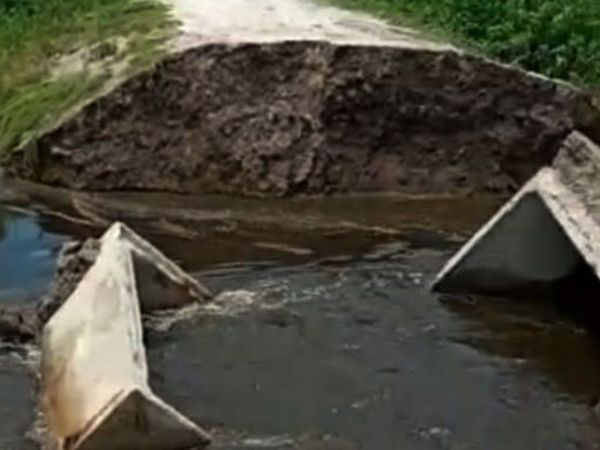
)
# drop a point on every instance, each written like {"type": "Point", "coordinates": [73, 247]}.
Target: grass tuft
{"type": "Point", "coordinates": [37, 35]}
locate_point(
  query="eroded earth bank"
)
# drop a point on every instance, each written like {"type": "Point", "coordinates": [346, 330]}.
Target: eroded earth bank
{"type": "Point", "coordinates": [348, 105]}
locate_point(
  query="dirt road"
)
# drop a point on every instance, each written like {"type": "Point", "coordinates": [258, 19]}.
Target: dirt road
{"type": "Point", "coordinates": [206, 21]}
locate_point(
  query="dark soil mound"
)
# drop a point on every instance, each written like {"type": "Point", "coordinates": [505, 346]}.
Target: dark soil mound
{"type": "Point", "coordinates": [313, 117]}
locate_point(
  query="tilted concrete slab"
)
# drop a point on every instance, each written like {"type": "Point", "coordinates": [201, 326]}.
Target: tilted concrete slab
{"type": "Point", "coordinates": [137, 420]}
{"type": "Point", "coordinates": [542, 235]}
{"type": "Point", "coordinates": [94, 372]}
{"type": "Point", "coordinates": [161, 283]}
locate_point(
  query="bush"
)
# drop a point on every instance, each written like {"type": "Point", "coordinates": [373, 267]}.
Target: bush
{"type": "Point", "coordinates": [558, 38]}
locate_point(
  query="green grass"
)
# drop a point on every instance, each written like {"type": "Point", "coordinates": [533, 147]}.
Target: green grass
{"type": "Point", "coordinates": [558, 38]}
{"type": "Point", "coordinates": [35, 34]}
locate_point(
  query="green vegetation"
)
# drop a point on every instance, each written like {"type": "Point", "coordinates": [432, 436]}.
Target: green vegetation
{"type": "Point", "coordinates": [36, 36]}
{"type": "Point", "coordinates": [559, 38]}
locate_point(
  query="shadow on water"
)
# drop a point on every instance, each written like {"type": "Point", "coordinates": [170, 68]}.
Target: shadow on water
{"type": "Point", "coordinates": [557, 332]}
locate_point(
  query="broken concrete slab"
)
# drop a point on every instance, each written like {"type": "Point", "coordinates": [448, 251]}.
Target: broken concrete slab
{"type": "Point", "coordinates": [161, 283]}
{"type": "Point", "coordinates": [542, 235]}
{"type": "Point", "coordinates": [94, 372]}
{"type": "Point", "coordinates": [150, 423]}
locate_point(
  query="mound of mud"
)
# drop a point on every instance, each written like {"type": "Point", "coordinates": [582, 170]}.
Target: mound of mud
{"type": "Point", "coordinates": [313, 117]}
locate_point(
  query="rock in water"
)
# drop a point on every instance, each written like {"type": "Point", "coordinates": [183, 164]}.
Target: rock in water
{"type": "Point", "coordinates": [18, 324]}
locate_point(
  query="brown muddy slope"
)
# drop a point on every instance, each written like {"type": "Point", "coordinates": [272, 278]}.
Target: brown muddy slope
{"type": "Point", "coordinates": [313, 117]}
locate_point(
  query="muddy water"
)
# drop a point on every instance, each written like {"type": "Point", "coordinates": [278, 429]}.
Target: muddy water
{"type": "Point", "coordinates": [17, 405]}
{"type": "Point", "coordinates": [343, 347]}
{"type": "Point", "coordinates": [361, 356]}
{"type": "Point", "coordinates": [28, 249]}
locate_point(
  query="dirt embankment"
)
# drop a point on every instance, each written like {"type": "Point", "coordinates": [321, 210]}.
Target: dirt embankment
{"type": "Point", "coordinates": [285, 118]}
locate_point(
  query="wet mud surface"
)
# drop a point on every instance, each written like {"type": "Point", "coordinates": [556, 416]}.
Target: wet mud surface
{"type": "Point", "coordinates": [346, 348]}
{"type": "Point", "coordinates": [289, 118]}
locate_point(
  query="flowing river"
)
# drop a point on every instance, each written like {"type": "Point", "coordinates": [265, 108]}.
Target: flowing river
{"type": "Point", "coordinates": [339, 344]}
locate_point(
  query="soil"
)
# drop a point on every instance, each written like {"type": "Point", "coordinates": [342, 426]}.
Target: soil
{"type": "Point", "coordinates": [288, 118]}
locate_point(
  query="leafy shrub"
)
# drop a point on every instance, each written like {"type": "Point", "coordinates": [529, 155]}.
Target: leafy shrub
{"type": "Point", "coordinates": [555, 37]}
